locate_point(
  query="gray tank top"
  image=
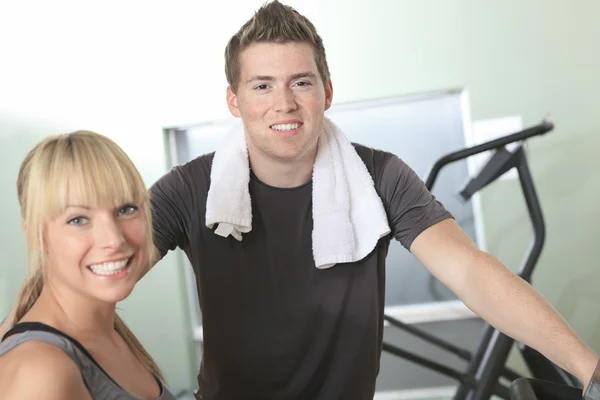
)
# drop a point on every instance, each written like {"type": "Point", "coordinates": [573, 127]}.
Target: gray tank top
{"type": "Point", "coordinates": [100, 385]}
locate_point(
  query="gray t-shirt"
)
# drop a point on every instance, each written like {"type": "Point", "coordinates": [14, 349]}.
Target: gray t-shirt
{"type": "Point", "coordinates": [275, 326]}
{"type": "Point", "coordinates": [100, 385]}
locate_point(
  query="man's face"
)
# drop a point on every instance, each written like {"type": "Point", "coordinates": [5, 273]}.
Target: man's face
{"type": "Point", "coordinates": [281, 99]}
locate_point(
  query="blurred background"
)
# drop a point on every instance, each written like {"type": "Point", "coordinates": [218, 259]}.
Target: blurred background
{"type": "Point", "coordinates": [150, 74]}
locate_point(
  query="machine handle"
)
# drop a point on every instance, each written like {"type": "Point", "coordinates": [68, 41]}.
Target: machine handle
{"type": "Point", "coordinates": [537, 389]}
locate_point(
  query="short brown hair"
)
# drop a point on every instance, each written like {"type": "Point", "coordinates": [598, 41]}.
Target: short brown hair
{"type": "Point", "coordinates": [277, 23]}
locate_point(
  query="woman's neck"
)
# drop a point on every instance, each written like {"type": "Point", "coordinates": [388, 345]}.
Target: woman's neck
{"type": "Point", "coordinates": [76, 315]}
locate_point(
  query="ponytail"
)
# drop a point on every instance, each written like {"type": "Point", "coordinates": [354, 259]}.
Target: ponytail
{"type": "Point", "coordinates": [28, 294]}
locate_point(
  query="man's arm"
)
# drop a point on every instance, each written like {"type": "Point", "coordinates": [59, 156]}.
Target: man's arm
{"type": "Point", "coordinates": [171, 204]}
{"type": "Point", "coordinates": [504, 300]}
{"type": "Point", "coordinates": [501, 298]}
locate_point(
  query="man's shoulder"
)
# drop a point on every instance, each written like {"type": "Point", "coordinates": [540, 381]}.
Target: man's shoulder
{"type": "Point", "coordinates": [191, 175]}
{"type": "Point", "coordinates": [377, 161]}
{"type": "Point", "coordinates": [199, 165]}
{"type": "Point", "coordinates": [371, 153]}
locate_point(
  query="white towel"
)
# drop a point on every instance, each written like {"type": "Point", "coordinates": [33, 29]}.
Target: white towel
{"type": "Point", "coordinates": [348, 215]}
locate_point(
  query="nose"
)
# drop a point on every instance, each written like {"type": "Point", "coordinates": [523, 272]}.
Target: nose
{"type": "Point", "coordinates": [109, 233]}
{"type": "Point", "coordinates": [285, 100]}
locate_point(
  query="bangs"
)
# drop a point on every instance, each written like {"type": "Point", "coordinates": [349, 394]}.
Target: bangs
{"type": "Point", "coordinates": [77, 169]}
{"type": "Point", "coordinates": [80, 173]}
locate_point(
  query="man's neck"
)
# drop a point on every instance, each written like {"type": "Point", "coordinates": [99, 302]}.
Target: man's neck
{"type": "Point", "coordinates": [283, 174]}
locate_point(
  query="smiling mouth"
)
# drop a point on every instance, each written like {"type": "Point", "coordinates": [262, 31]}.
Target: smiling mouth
{"type": "Point", "coordinates": [286, 127]}
{"type": "Point", "coordinates": [110, 268]}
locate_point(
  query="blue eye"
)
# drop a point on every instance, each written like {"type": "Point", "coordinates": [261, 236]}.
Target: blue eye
{"type": "Point", "coordinates": [128, 210]}
{"type": "Point", "coordinates": [77, 221]}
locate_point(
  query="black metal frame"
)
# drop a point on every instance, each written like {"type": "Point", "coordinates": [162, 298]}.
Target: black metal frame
{"type": "Point", "coordinates": [486, 365]}
{"type": "Point", "coordinates": [542, 369]}
{"type": "Point", "coordinates": [536, 389]}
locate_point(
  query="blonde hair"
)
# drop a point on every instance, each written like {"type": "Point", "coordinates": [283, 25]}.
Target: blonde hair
{"type": "Point", "coordinates": [275, 23]}
{"type": "Point", "coordinates": [93, 170]}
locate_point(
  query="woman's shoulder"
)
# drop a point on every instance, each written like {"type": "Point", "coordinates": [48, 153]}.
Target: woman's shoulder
{"type": "Point", "coordinates": [35, 369]}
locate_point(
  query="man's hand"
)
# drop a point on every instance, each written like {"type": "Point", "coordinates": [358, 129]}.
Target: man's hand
{"type": "Point", "coordinates": [501, 298]}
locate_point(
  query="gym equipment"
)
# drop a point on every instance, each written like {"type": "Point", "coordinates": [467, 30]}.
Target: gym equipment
{"type": "Point", "coordinates": [536, 389]}
{"type": "Point", "coordinates": [486, 366]}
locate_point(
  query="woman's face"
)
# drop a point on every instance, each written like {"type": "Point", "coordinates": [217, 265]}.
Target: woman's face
{"type": "Point", "coordinates": [96, 252]}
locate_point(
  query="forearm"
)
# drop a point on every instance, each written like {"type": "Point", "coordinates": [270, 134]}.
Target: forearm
{"type": "Point", "coordinates": [512, 306]}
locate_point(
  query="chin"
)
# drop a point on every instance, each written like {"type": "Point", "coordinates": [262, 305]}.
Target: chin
{"type": "Point", "coordinates": [117, 294]}
{"type": "Point", "coordinates": [291, 153]}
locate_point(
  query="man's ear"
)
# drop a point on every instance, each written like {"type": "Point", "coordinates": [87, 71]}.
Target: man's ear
{"type": "Point", "coordinates": [232, 103]}
{"type": "Point", "coordinates": [328, 95]}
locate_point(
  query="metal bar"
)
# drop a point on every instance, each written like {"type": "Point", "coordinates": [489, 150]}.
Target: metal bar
{"type": "Point", "coordinates": [534, 389]}
{"type": "Point", "coordinates": [501, 161]}
{"type": "Point", "coordinates": [491, 366]}
{"type": "Point", "coordinates": [510, 375]}
{"type": "Point", "coordinates": [544, 369]}
{"type": "Point", "coordinates": [429, 364]}
{"type": "Point", "coordinates": [463, 390]}
{"type": "Point", "coordinates": [540, 129]}
{"type": "Point", "coordinates": [493, 362]}
{"type": "Point", "coordinates": [522, 390]}
{"type": "Point", "coordinates": [501, 391]}
{"type": "Point", "coordinates": [462, 353]}
{"type": "Point", "coordinates": [535, 214]}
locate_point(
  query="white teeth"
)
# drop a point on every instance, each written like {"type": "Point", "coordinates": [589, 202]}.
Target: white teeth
{"type": "Point", "coordinates": [109, 268]}
{"type": "Point", "coordinates": [285, 127]}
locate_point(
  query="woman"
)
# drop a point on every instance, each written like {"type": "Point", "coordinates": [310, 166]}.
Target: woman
{"type": "Point", "coordinates": [86, 215]}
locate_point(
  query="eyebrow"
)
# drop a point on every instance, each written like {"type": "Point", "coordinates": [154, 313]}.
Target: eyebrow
{"type": "Point", "coordinates": [77, 206]}
{"type": "Point", "coordinates": [268, 78]}
{"type": "Point", "coordinates": [304, 75]}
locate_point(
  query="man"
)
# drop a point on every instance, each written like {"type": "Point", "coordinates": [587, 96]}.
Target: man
{"type": "Point", "coordinates": [276, 327]}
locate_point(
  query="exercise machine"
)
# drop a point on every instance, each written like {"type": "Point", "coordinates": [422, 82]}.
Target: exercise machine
{"type": "Point", "coordinates": [486, 367]}
{"type": "Point", "coordinates": [536, 389]}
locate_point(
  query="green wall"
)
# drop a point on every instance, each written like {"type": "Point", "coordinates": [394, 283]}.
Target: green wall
{"type": "Point", "coordinates": [129, 69]}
